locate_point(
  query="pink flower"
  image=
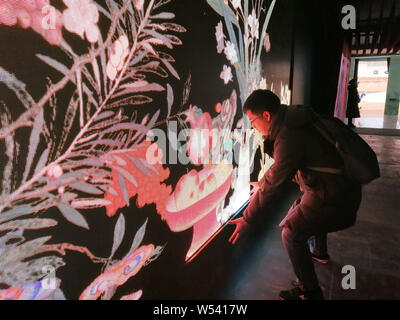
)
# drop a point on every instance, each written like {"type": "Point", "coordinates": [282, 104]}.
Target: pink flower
{"type": "Point", "coordinates": [219, 35]}
{"type": "Point", "coordinates": [34, 14]}
{"type": "Point", "coordinates": [54, 172]}
{"type": "Point", "coordinates": [81, 18]}
{"type": "Point", "coordinates": [226, 74]}
{"type": "Point", "coordinates": [119, 52]}
{"type": "Point", "coordinates": [267, 43]}
{"type": "Point", "coordinates": [7, 14]}
{"type": "Point", "coordinates": [139, 4]}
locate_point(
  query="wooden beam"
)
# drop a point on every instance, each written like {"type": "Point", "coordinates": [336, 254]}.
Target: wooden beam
{"type": "Point", "coordinates": [357, 31]}
{"type": "Point", "coordinates": [394, 43]}
{"type": "Point", "coordinates": [368, 28]}
{"type": "Point", "coordinates": [389, 29]}
{"type": "Point", "coordinates": [379, 29]}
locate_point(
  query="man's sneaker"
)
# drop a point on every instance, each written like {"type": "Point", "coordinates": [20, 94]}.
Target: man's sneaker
{"type": "Point", "coordinates": [320, 258]}
{"type": "Point", "coordinates": [297, 293]}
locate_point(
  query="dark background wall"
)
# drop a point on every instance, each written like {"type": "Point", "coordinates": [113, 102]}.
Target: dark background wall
{"type": "Point", "coordinates": [318, 41]}
{"type": "Point", "coordinates": [306, 43]}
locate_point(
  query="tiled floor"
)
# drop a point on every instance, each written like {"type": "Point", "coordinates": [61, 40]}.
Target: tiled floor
{"type": "Point", "coordinates": [372, 246]}
{"type": "Point", "coordinates": [383, 122]}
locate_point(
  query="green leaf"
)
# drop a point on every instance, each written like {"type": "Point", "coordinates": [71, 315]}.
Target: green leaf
{"type": "Point", "coordinates": [103, 62]}
{"type": "Point", "coordinates": [68, 122]}
{"type": "Point", "coordinates": [5, 119]}
{"type": "Point", "coordinates": [119, 232]}
{"type": "Point", "coordinates": [138, 237]}
{"type": "Point", "coordinates": [104, 115]}
{"type": "Point", "coordinates": [130, 101]}
{"type": "Point", "coordinates": [86, 187]}
{"type": "Point", "coordinates": [89, 203]}
{"type": "Point", "coordinates": [163, 15]}
{"type": "Point", "coordinates": [30, 224]}
{"type": "Point", "coordinates": [103, 11]}
{"type": "Point", "coordinates": [174, 27]}
{"type": "Point", "coordinates": [171, 68]}
{"type": "Point", "coordinates": [137, 58]}
{"type": "Point", "coordinates": [156, 253]}
{"type": "Point", "coordinates": [73, 215]}
{"type": "Point", "coordinates": [54, 63]}
{"type": "Point", "coordinates": [264, 29]}
{"type": "Point", "coordinates": [23, 251]}
{"type": "Point", "coordinates": [127, 175]}
{"type": "Point", "coordinates": [216, 5]}
{"type": "Point", "coordinates": [138, 164]}
{"type": "Point", "coordinates": [79, 85]}
{"type": "Point", "coordinates": [153, 120]}
{"type": "Point", "coordinates": [18, 87]}
{"type": "Point", "coordinates": [33, 142]}
{"type": "Point", "coordinates": [126, 126]}
{"type": "Point", "coordinates": [130, 88]}
{"type": "Point", "coordinates": [246, 8]}
{"type": "Point", "coordinates": [186, 90]}
{"type": "Point", "coordinates": [123, 188]}
{"type": "Point", "coordinates": [112, 191]}
{"type": "Point", "coordinates": [170, 98]}
{"type": "Point", "coordinates": [159, 36]}
{"type": "Point", "coordinates": [96, 71]}
{"type": "Point", "coordinates": [15, 213]}
{"type": "Point", "coordinates": [42, 161]}
{"type": "Point", "coordinates": [113, 6]}
{"type": "Point", "coordinates": [120, 161]}
{"type": "Point", "coordinates": [104, 124]}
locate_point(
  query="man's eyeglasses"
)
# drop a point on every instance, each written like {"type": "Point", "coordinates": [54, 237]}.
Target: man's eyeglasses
{"type": "Point", "coordinates": [252, 121]}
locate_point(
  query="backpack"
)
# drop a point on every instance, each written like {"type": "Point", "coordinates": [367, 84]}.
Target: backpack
{"type": "Point", "coordinates": [360, 161]}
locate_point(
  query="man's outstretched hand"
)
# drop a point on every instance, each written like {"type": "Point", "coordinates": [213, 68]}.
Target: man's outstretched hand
{"type": "Point", "coordinates": [256, 187]}
{"type": "Point", "coordinates": [242, 227]}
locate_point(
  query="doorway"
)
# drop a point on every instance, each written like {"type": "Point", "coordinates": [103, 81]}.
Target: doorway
{"type": "Point", "coordinates": [372, 85]}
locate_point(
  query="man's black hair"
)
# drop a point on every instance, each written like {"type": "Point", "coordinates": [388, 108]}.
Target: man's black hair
{"type": "Point", "coordinates": [262, 100]}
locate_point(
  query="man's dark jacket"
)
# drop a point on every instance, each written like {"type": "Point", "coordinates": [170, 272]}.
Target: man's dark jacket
{"type": "Point", "coordinates": [295, 145]}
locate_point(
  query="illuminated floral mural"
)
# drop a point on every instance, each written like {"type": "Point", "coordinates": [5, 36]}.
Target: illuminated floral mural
{"type": "Point", "coordinates": [118, 56]}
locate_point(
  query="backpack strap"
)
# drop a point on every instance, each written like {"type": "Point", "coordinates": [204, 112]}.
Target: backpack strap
{"type": "Point", "coordinates": [320, 127]}
{"type": "Point", "coordinates": [325, 170]}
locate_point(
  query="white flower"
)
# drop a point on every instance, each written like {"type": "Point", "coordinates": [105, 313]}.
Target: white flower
{"type": "Point", "coordinates": [226, 74]}
{"type": "Point", "coordinates": [236, 3]}
{"type": "Point", "coordinates": [81, 18]}
{"type": "Point", "coordinates": [253, 24]}
{"type": "Point", "coordinates": [219, 35]}
{"type": "Point", "coordinates": [230, 52]}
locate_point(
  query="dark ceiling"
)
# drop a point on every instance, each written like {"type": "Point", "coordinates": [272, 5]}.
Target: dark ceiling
{"type": "Point", "coordinates": [378, 28]}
